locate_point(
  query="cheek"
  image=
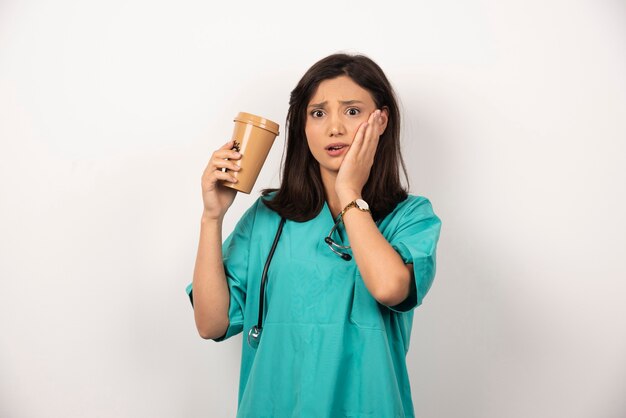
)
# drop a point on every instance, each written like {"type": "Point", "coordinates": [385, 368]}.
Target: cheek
{"type": "Point", "coordinates": [313, 134]}
{"type": "Point", "coordinates": [353, 127]}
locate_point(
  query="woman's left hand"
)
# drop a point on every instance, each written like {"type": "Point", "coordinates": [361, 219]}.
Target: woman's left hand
{"type": "Point", "coordinates": [357, 164]}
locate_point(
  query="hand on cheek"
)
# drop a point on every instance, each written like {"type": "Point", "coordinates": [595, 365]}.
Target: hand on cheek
{"type": "Point", "coordinates": [357, 163]}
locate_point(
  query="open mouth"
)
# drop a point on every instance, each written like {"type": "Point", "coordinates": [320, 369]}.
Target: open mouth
{"type": "Point", "coordinates": [335, 150]}
{"type": "Point", "coordinates": [335, 147]}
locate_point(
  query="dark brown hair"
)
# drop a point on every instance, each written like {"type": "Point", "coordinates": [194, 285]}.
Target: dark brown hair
{"type": "Point", "coordinates": [301, 193]}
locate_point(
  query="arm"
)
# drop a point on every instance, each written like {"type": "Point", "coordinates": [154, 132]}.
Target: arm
{"type": "Point", "coordinates": [210, 289]}
{"type": "Point", "coordinates": [384, 273]}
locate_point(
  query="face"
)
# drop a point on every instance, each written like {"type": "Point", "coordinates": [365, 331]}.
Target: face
{"type": "Point", "coordinates": [334, 113]}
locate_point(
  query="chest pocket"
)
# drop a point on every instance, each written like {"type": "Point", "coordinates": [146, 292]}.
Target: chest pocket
{"type": "Point", "coordinates": [365, 311]}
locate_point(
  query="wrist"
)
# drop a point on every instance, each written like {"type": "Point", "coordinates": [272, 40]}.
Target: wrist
{"type": "Point", "coordinates": [208, 218]}
{"type": "Point", "coordinates": [355, 205]}
{"type": "Point", "coordinates": [347, 196]}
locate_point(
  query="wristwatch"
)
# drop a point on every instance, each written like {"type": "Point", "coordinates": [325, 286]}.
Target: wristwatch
{"type": "Point", "coordinates": [360, 204]}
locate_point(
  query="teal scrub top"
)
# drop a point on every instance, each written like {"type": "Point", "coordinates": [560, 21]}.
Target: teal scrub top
{"type": "Point", "coordinates": [328, 348]}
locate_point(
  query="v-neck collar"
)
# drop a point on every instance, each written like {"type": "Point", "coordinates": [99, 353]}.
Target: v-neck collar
{"type": "Point", "coordinates": [329, 214]}
{"type": "Point", "coordinates": [329, 221]}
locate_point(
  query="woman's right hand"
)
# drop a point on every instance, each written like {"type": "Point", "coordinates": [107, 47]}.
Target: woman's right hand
{"type": "Point", "coordinates": [217, 197]}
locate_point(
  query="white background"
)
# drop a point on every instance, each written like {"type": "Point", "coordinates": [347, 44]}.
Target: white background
{"type": "Point", "coordinates": [514, 127]}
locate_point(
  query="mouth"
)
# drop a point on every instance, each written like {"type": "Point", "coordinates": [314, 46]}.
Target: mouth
{"type": "Point", "coordinates": [337, 149]}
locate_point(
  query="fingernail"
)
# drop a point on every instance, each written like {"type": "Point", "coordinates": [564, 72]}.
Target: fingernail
{"type": "Point", "coordinates": [237, 154]}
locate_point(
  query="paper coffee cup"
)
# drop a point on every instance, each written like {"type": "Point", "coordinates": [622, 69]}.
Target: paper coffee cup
{"type": "Point", "coordinates": [254, 137]}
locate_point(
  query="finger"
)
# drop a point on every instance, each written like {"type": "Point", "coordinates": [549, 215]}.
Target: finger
{"type": "Point", "coordinates": [379, 127]}
{"type": "Point", "coordinates": [357, 142]}
{"type": "Point", "coordinates": [224, 176]}
{"type": "Point", "coordinates": [220, 159]}
{"type": "Point", "coordinates": [368, 133]}
{"type": "Point", "coordinates": [212, 177]}
{"type": "Point", "coordinates": [370, 137]}
{"type": "Point", "coordinates": [221, 164]}
{"type": "Point", "coordinates": [228, 145]}
{"type": "Point", "coordinates": [374, 115]}
{"type": "Point", "coordinates": [228, 150]}
{"type": "Point", "coordinates": [372, 121]}
{"type": "Point", "coordinates": [223, 159]}
{"type": "Point", "coordinates": [227, 153]}
{"type": "Point", "coordinates": [377, 123]}
{"type": "Point", "coordinates": [221, 155]}
{"type": "Point", "coordinates": [358, 137]}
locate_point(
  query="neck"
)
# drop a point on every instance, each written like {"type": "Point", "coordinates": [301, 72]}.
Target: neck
{"type": "Point", "coordinates": [328, 179]}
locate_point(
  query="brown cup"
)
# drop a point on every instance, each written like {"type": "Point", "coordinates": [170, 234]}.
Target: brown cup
{"type": "Point", "coordinates": [254, 137]}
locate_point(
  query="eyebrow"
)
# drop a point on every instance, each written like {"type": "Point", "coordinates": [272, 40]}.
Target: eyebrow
{"type": "Point", "coordinates": [343, 102]}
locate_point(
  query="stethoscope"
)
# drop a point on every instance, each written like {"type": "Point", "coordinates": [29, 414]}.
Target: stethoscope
{"type": "Point", "coordinates": [254, 335]}
{"type": "Point", "coordinates": [328, 240]}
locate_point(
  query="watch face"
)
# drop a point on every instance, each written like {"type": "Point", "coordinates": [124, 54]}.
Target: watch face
{"type": "Point", "coordinates": [362, 204]}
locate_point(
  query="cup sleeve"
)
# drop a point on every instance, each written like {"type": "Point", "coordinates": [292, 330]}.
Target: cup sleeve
{"type": "Point", "coordinates": [415, 239]}
{"type": "Point", "coordinates": [235, 254]}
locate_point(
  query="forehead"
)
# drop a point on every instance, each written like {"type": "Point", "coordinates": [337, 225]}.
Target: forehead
{"type": "Point", "coordinates": [341, 88]}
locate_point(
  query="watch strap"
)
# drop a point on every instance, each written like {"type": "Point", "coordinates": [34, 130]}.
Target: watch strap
{"type": "Point", "coordinates": [351, 205]}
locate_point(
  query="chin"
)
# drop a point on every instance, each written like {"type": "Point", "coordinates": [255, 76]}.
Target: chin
{"type": "Point", "coordinates": [333, 168]}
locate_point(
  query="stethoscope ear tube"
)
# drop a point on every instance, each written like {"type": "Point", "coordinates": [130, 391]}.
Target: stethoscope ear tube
{"type": "Point", "coordinates": [255, 332]}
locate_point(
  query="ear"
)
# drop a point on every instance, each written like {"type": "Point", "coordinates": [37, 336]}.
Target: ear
{"type": "Point", "coordinates": [384, 114]}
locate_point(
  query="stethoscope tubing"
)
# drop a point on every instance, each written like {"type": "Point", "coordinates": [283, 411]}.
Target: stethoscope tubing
{"type": "Point", "coordinates": [265, 269]}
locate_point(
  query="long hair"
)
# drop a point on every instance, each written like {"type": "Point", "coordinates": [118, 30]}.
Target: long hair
{"type": "Point", "coordinates": [301, 194]}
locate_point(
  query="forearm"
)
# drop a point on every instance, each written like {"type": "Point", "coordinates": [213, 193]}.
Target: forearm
{"type": "Point", "coordinates": [384, 273]}
{"type": "Point", "coordinates": [210, 289]}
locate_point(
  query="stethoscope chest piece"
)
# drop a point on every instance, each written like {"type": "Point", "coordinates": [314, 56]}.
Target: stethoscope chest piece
{"type": "Point", "coordinates": [254, 335]}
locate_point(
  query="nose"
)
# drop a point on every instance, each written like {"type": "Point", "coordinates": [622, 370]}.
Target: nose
{"type": "Point", "coordinates": [335, 126]}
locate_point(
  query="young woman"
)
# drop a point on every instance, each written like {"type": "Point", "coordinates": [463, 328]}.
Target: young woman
{"type": "Point", "coordinates": [327, 317]}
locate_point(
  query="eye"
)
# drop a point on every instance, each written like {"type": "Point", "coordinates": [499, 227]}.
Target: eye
{"type": "Point", "coordinates": [353, 111]}
{"type": "Point", "coordinates": [316, 113]}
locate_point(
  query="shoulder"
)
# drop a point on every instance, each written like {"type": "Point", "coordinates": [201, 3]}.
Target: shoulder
{"type": "Point", "coordinates": [263, 209]}
{"type": "Point", "coordinates": [414, 211]}
{"type": "Point", "coordinates": [258, 214]}
{"type": "Point", "coordinates": [268, 196]}
{"type": "Point", "coordinates": [413, 205]}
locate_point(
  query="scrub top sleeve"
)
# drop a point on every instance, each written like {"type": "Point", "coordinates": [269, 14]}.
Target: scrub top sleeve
{"type": "Point", "coordinates": [415, 239]}
{"type": "Point", "coordinates": [235, 252]}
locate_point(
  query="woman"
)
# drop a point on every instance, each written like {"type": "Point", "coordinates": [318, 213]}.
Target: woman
{"type": "Point", "coordinates": [337, 311]}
